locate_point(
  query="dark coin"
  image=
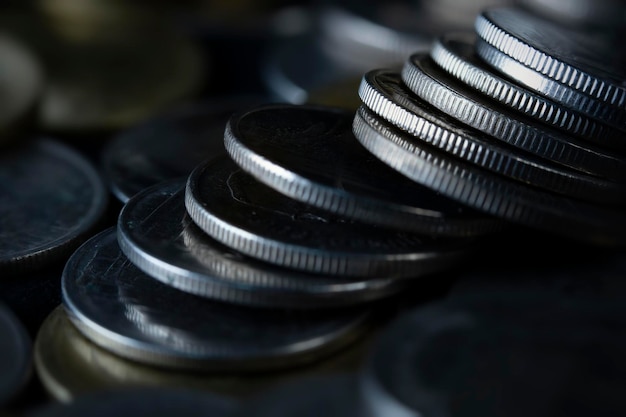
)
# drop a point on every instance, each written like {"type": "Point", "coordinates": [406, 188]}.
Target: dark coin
{"type": "Point", "coordinates": [309, 153]}
{"type": "Point", "coordinates": [488, 355]}
{"type": "Point", "coordinates": [51, 198]}
{"type": "Point", "coordinates": [15, 355]}
{"type": "Point", "coordinates": [122, 309]}
{"type": "Point", "coordinates": [168, 145]}
{"type": "Point", "coordinates": [242, 213]}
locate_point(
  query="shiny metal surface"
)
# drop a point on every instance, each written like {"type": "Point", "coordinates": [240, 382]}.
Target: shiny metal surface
{"type": "Point", "coordinates": [122, 309]}
{"type": "Point", "coordinates": [16, 356]}
{"type": "Point", "coordinates": [51, 198]}
{"type": "Point", "coordinates": [468, 184]}
{"type": "Point", "coordinates": [242, 213]}
{"type": "Point", "coordinates": [310, 154]}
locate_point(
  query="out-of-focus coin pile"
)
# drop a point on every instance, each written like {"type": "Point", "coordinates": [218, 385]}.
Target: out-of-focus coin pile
{"type": "Point", "coordinates": [407, 208]}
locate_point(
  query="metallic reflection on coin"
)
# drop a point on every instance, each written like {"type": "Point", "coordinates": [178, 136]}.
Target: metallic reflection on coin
{"type": "Point", "coordinates": [21, 83]}
{"type": "Point", "coordinates": [242, 213]}
{"type": "Point", "coordinates": [124, 310]}
{"type": "Point", "coordinates": [15, 355]}
{"type": "Point", "coordinates": [70, 365]}
{"type": "Point", "coordinates": [579, 13]}
{"type": "Point", "coordinates": [488, 355]}
{"type": "Point", "coordinates": [168, 145]}
{"type": "Point", "coordinates": [157, 235]}
{"type": "Point", "coordinates": [482, 190]}
{"type": "Point", "coordinates": [589, 61]}
{"type": "Point", "coordinates": [142, 401]}
{"type": "Point", "coordinates": [50, 198]}
{"type": "Point", "coordinates": [309, 153]}
{"type": "Point", "coordinates": [334, 395]}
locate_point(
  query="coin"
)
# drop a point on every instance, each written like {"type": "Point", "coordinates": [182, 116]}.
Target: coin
{"type": "Point", "coordinates": [310, 154]}
{"type": "Point", "coordinates": [21, 81]}
{"type": "Point", "coordinates": [168, 145]}
{"type": "Point", "coordinates": [157, 235]}
{"type": "Point", "coordinates": [122, 309]}
{"type": "Point", "coordinates": [385, 94]}
{"type": "Point", "coordinates": [586, 61]}
{"type": "Point", "coordinates": [70, 365]}
{"type": "Point", "coordinates": [242, 213]}
{"type": "Point", "coordinates": [455, 54]}
{"type": "Point", "coordinates": [579, 13]}
{"type": "Point", "coordinates": [482, 190]}
{"type": "Point", "coordinates": [52, 198]}
{"type": "Point", "coordinates": [139, 401]}
{"type": "Point", "coordinates": [15, 356]}
{"type": "Point", "coordinates": [487, 355]}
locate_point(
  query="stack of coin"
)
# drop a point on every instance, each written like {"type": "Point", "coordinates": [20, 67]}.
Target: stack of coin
{"type": "Point", "coordinates": [526, 125]}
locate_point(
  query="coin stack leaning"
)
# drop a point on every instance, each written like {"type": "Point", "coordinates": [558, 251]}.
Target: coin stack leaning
{"type": "Point", "coordinates": [272, 255]}
{"type": "Point", "coordinates": [526, 125]}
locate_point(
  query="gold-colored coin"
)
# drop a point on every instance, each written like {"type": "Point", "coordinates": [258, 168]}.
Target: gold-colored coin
{"type": "Point", "coordinates": [69, 365]}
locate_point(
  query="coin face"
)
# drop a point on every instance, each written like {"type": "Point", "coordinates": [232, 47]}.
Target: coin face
{"type": "Point", "coordinates": [169, 145]}
{"type": "Point", "coordinates": [126, 311]}
{"type": "Point", "coordinates": [240, 212]}
{"type": "Point", "coordinates": [310, 154]}
{"type": "Point", "coordinates": [15, 355]}
{"type": "Point", "coordinates": [52, 197]}
{"type": "Point", "coordinates": [486, 355]}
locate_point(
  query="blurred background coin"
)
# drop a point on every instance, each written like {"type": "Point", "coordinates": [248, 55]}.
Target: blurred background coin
{"type": "Point", "coordinates": [16, 356]}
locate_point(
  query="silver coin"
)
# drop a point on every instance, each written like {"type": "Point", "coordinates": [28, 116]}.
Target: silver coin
{"type": "Point", "coordinates": [579, 13]}
{"type": "Point", "coordinates": [554, 90]}
{"type": "Point", "coordinates": [589, 62]}
{"type": "Point", "coordinates": [487, 355]}
{"type": "Point", "coordinates": [309, 153]}
{"type": "Point", "coordinates": [486, 191]}
{"type": "Point", "coordinates": [242, 213]}
{"type": "Point", "coordinates": [435, 86]}
{"type": "Point", "coordinates": [157, 235]}
{"type": "Point", "coordinates": [15, 356]}
{"type": "Point", "coordinates": [455, 54]}
{"type": "Point", "coordinates": [334, 395]}
{"type": "Point", "coordinates": [51, 198]}
{"type": "Point", "coordinates": [141, 401]}
{"type": "Point", "coordinates": [385, 94]}
{"type": "Point", "coordinates": [125, 311]}
{"type": "Point", "coordinates": [168, 145]}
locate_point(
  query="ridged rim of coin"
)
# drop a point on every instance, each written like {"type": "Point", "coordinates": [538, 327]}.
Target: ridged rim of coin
{"type": "Point", "coordinates": [550, 88]}
{"type": "Point", "coordinates": [285, 232]}
{"type": "Point", "coordinates": [383, 92]}
{"type": "Point", "coordinates": [180, 254]}
{"type": "Point", "coordinates": [497, 27]}
{"type": "Point", "coordinates": [455, 54]}
{"type": "Point", "coordinates": [140, 401]}
{"type": "Point", "coordinates": [16, 358]}
{"type": "Point", "coordinates": [308, 168]}
{"type": "Point", "coordinates": [420, 361]}
{"type": "Point", "coordinates": [120, 308]}
{"type": "Point", "coordinates": [488, 192]}
{"type": "Point", "coordinates": [451, 96]}
{"type": "Point", "coordinates": [65, 240]}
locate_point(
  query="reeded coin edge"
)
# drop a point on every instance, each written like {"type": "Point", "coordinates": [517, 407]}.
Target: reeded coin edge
{"type": "Point", "coordinates": [548, 65]}
{"type": "Point", "coordinates": [489, 193]}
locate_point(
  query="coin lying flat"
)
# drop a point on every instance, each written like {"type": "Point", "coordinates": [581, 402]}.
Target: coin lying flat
{"type": "Point", "coordinates": [309, 153]}
{"type": "Point", "coordinates": [124, 310]}
{"type": "Point", "coordinates": [384, 93]}
{"type": "Point", "coordinates": [169, 145]}
{"type": "Point", "coordinates": [486, 191]}
{"type": "Point", "coordinates": [455, 54]}
{"type": "Point", "coordinates": [334, 395]}
{"type": "Point", "coordinates": [21, 81]}
{"type": "Point", "coordinates": [487, 355]}
{"type": "Point", "coordinates": [140, 401]}
{"type": "Point", "coordinates": [585, 61]}
{"type": "Point", "coordinates": [51, 198]}
{"type": "Point", "coordinates": [156, 234]}
{"type": "Point", "coordinates": [15, 355]}
{"type": "Point", "coordinates": [577, 13]}
{"type": "Point", "coordinates": [242, 213]}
